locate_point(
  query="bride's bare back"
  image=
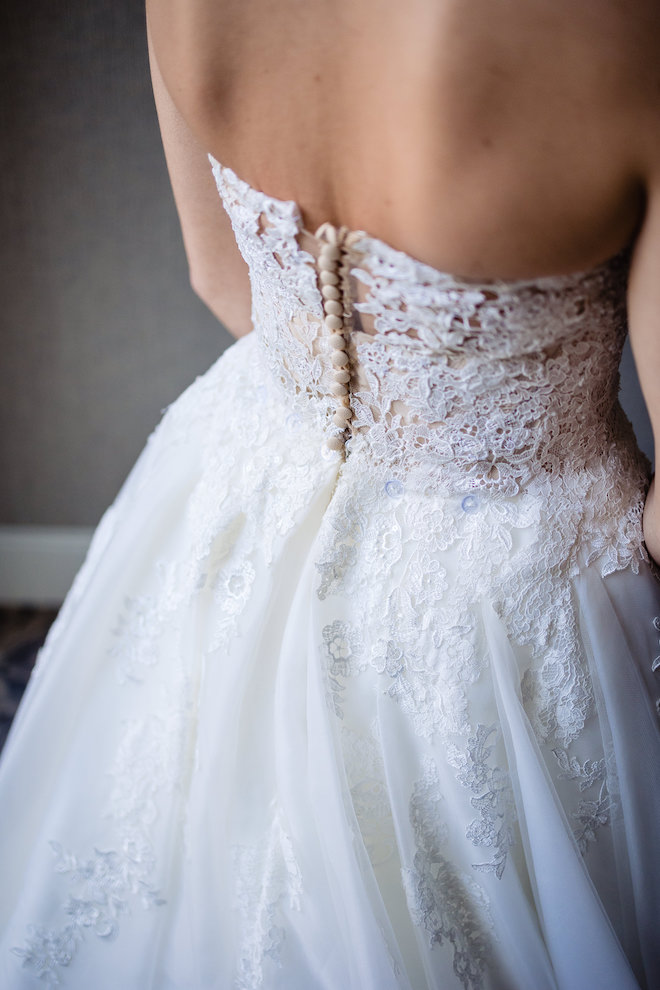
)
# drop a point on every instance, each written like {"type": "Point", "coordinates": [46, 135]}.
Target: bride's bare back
{"type": "Point", "coordinates": [507, 139]}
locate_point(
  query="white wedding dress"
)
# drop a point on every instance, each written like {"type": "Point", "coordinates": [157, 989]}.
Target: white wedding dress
{"type": "Point", "coordinates": [358, 700]}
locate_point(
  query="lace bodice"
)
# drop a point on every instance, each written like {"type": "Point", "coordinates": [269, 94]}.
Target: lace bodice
{"type": "Point", "coordinates": [466, 385]}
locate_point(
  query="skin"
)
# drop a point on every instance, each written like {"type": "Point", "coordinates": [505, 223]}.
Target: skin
{"type": "Point", "coordinates": [496, 139]}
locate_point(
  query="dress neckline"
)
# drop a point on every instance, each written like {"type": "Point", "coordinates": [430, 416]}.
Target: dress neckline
{"type": "Point", "coordinates": [425, 270]}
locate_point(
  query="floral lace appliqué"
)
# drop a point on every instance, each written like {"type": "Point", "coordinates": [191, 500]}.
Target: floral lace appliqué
{"type": "Point", "coordinates": [267, 878]}
{"type": "Point", "coordinates": [106, 883]}
{"type": "Point", "coordinates": [447, 904]}
{"type": "Point", "coordinates": [102, 886]}
{"type": "Point", "coordinates": [592, 813]}
{"type": "Point", "coordinates": [342, 651]}
{"type": "Point", "coordinates": [492, 798]}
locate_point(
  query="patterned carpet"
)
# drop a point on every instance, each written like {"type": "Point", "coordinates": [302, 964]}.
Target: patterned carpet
{"type": "Point", "coordinates": [22, 631]}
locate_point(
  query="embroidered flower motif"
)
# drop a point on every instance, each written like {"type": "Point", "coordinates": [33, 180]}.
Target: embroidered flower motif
{"type": "Point", "coordinates": [267, 878]}
{"type": "Point", "coordinates": [590, 817]}
{"type": "Point", "coordinates": [342, 654]}
{"type": "Point", "coordinates": [594, 813]}
{"type": "Point", "coordinates": [492, 798]}
{"type": "Point", "coordinates": [448, 905]}
{"type": "Point", "coordinates": [587, 774]}
{"type": "Point", "coordinates": [105, 884]}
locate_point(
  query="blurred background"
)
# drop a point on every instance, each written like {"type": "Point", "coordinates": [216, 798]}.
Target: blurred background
{"type": "Point", "coordinates": [99, 329]}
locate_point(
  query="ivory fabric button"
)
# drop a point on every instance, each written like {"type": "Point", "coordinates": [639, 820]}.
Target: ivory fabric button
{"type": "Point", "coordinates": [339, 359]}
{"type": "Point", "coordinates": [330, 252]}
{"type": "Point", "coordinates": [334, 322]}
{"type": "Point", "coordinates": [342, 416]}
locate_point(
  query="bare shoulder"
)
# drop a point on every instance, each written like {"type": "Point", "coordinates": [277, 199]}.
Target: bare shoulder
{"type": "Point", "coordinates": [205, 46]}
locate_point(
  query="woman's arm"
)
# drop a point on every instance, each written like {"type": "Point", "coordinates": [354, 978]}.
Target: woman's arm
{"type": "Point", "coordinates": [218, 273]}
{"type": "Point", "coordinates": [644, 321]}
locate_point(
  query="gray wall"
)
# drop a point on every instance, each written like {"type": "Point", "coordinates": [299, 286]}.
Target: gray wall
{"type": "Point", "coordinates": [99, 329]}
{"type": "Point", "coordinates": [633, 403]}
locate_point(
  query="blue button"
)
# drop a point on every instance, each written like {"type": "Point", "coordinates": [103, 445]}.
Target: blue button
{"type": "Point", "coordinates": [394, 488]}
{"type": "Point", "coordinates": [470, 503]}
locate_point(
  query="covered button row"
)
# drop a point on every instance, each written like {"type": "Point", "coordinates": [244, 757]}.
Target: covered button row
{"type": "Point", "coordinates": [329, 262]}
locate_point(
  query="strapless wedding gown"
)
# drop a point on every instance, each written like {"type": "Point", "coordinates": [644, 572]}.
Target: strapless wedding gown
{"type": "Point", "coordinates": [357, 687]}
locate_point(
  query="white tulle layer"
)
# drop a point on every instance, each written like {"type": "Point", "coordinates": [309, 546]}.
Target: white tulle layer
{"type": "Point", "coordinates": [213, 783]}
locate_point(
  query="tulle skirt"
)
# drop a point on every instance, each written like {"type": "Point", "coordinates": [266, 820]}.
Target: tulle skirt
{"type": "Point", "coordinates": [287, 733]}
